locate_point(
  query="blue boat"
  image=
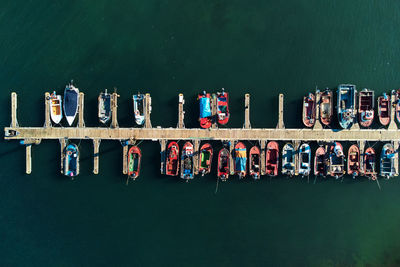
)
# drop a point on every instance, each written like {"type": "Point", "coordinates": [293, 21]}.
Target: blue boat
{"type": "Point", "coordinates": [240, 160]}
{"type": "Point", "coordinates": [71, 97]}
{"type": "Point", "coordinates": [71, 161]}
{"type": "Point", "coordinates": [387, 161]}
{"type": "Point", "coordinates": [138, 108]}
{"type": "Point", "coordinates": [346, 97]}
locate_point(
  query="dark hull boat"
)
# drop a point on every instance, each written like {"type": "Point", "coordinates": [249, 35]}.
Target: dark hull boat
{"type": "Point", "coordinates": [384, 109]}
{"type": "Point", "coordinates": [205, 110]}
{"type": "Point", "coordinates": [387, 161]}
{"type": "Point", "coordinates": [187, 161]}
{"type": "Point", "coordinates": [71, 161]}
{"type": "Point", "coordinates": [254, 162]}
{"type": "Point", "coordinates": [134, 158]}
{"type": "Point", "coordinates": [346, 105]}
{"type": "Point", "coordinates": [240, 160]}
{"type": "Point", "coordinates": [369, 163]}
{"type": "Point", "coordinates": [288, 160]}
{"type": "Point", "coordinates": [397, 104]}
{"type": "Point", "coordinates": [309, 110]}
{"type": "Point", "coordinates": [320, 166]}
{"type": "Point", "coordinates": [326, 107]}
{"type": "Point", "coordinates": [336, 160]}
{"type": "Point", "coordinates": [353, 161]}
{"type": "Point", "coordinates": [104, 107]}
{"type": "Point", "coordinates": [272, 159]}
{"type": "Point", "coordinates": [71, 98]}
{"type": "Point", "coordinates": [304, 160]}
{"type": "Point", "coordinates": [138, 108]}
{"type": "Point", "coordinates": [172, 159]}
{"type": "Point", "coordinates": [223, 164]}
{"type": "Point", "coordinates": [205, 159]}
{"type": "Point", "coordinates": [366, 107]}
{"type": "Point", "coordinates": [223, 107]}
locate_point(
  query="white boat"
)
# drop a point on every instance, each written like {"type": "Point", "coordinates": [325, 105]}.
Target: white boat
{"type": "Point", "coordinates": [138, 108]}
{"type": "Point", "coordinates": [304, 160]}
{"type": "Point", "coordinates": [288, 159]}
{"type": "Point", "coordinates": [71, 98]}
{"type": "Point", "coordinates": [104, 101]}
{"type": "Point", "coordinates": [55, 107]}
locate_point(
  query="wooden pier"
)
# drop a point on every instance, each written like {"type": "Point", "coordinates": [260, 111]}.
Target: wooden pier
{"type": "Point", "coordinates": [181, 112]}
{"type": "Point", "coordinates": [247, 111]}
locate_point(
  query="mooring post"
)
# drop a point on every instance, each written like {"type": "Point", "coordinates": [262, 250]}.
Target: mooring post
{"type": "Point", "coordinates": [396, 156]}
{"type": "Point", "coordinates": [163, 144]}
{"type": "Point", "coordinates": [196, 156]}
{"type": "Point", "coordinates": [361, 145]}
{"type": "Point", "coordinates": [63, 144]}
{"type": "Point", "coordinates": [392, 124]}
{"type": "Point", "coordinates": [125, 158]}
{"type": "Point", "coordinates": [263, 158]}
{"type": "Point", "coordinates": [296, 156]}
{"type": "Point", "coordinates": [47, 122]}
{"type": "Point", "coordinates": [147, 111]}
{"type": "Point", "coordinates": [214, 111]}
{"type": "Point", "coordinates": [14, 122]}
{"type": "Point", "coordinates": [317, 124]}
{"type": "Point", "coordinates": [28, 155]}
{"type": "Point", "coordinates": [96, 148]}
{"type": "Point", "coordinates": [232, 155]}
{"type": "Point", "coordinates": [114, 106]}
{"type": "Point", "coordinates": [181, 112]}
{"type": "Point", "coordinates": [247, 111]}
{"type": "Point", "coordinates": [81, 122]}
{"type": "Point", "coordinates": [281, 124]}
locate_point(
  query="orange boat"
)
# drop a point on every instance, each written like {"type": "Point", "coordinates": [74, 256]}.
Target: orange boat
{"type": "Point", "coordinates": [240, 160]}
{"type": "Point", "coordinates": [320, 162]}
{"type": "Point", "coordinates": [134, 158]}
{"type": "Point", "coordinates": [325, 107]}
{"type": "Point", "coordinates": [353, 161]}
{"type": "Point", "coordinates": [205, 159]}
{"type": "Point", "coordinates": [254, 162]}
{"type": "Point", "coordinates": [272, 159]}
{"type": "Point", "coordinates": [309, 110]}
{"type": "Point", "coordinates": [369, 163]}
{"type": "Point", "coordinates": [384, 109]}
{"type": "Point", "coordinates": [172, 160]}
{"type": "Point", "coordinates": [223, 164]}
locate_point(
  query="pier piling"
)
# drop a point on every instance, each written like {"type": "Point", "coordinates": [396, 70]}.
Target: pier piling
{"type": "Point", "coordinates": [14, 122]}
{"type": "Point", "coordinates": [96, 147]}
{"type": "Point", "coordinates": [247, 111]}
{"type": "Point", "coordinates": [63, 144]}
{"type": "Point", "coordinates": [296, 144]}
{"type": "Point", "coordinates": [28, 156]}
{"type": "Point", "coordinates": [81, 122]}
{"type": "Point", "coordinates": [317, 124]}
{"type": "Point", "coordinates": [125, 159]}
{"type": "Point", "coordinates": [163, 144]}
{"type": "Point", "coordinates": [396, 156]}
{"type": "Point", "coordinates": [281, 124]}
{"type": "Point", "coordinates": [232, 156]}
{"type": "Point", "coordinates": [181, 112]}
{"type": "Point", "coordinates": [147, 111]}
{"type": "Point", "coordinates": [263, 157]}
{"type": "Point", "coordinates": [214, 111]}
{"type": "Point", "coordinates": [196, 156]}
{"type": "Point", "coordinates": [47, 122]}
{"type": "Point", "coordinates": [361, 145]}
{"type": "Point", "coordinates": [392, 124]}
{"type": "Point", "coordinates": [114, 108]}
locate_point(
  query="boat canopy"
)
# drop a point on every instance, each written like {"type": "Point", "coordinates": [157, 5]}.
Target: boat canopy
{"type": "Point", "coordinates": [241, 159]}
{"type": "Point", "coordinates": [205, 107]}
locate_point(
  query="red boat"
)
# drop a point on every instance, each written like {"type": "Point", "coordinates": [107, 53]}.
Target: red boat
{"type": "Point", "coordinates": [384, 109]}
{"type": "Point", "coordinates": [369, 163]}
{"type": "Point", "coordinates": [320, 162]}
{"type": "Point", "coordinates": [205, 159]}
{"type": "Point", "coordinates": [366, 107]}
{"type": "Point", "coordinates": [353, 161]}
{"type": "Point", "coordinates": [240, 160]}
{"type": "Point", "coordinates": [272, 159]}
{"type": "Point", "coordinates": [336, 160]}
{"type": "Point", "coordinates": [325, 107]}
{"type": "Point", "coordinates": [223, 164]}
{"type": "Point", "coordinates": [134, 158]}
{"type": "Point", "coordinates": [223, 107]}
{"type": "Point", "coordinates": [309, 110]}
{"type": "Point", "coordinates": [172, 159]}
{"type": "Point", "coordinates": [254, 162]}
{"type": "Point", "coordinates": [397, 105]}
{"type": "Point", "coordinates": [205, 110]}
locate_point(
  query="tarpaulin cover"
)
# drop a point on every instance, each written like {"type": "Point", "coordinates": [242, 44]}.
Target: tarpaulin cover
{"type": "Point", "coordinates": [240, 159]}
{"type": "Point", "coordinates": [205, 108]}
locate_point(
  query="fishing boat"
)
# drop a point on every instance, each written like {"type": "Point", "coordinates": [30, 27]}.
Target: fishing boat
{"type": "Point", "coordinates": [272, 159]}
{"type": "Point", "coordinates": [55, 107]}
{"type": "Point", "coordinates": [240, 160]}
{"type": "Point", "coordinates": [138, 108]}
{"type": "Point", "coordinates": [320, 166]}
{"type": "Point", "coordinates": [288, 159]}
{"type": "Point", "coordinates": [326, 107]}
{"type": "Point", "coordinates": [172, 159]}
{"type": "Point", "coordinates": [353, 161]}
{"type": "Point", "coordinates": [369, 163]}
{"type": "Point", "coordinates": [397, 104]}
{"type": "Point", "coordinates": [187, 161]}
{"type": "Point", "coordinates": [104, 107]}
{"type": "Point", "coordinates": [254, 162]}
{"type": "Point", "coordinates": [223, 107]}
{"type": "Point", "coordinates": [71, 161]}
{"type": "Point", "coordinates": [205, 159]}
{"type": "Point", "coordinates": [134, 158]}
{"type": "Point", "coordinates": [71, 98]}
{"type": "Point", "coordinates": [387, 161]}
{"type": "Point", "coordinates": [304, 160]}
{"type": "Point", "coordinates": [223, 164]}
{"type": "Point", "coordinates": [384, 109]}
{"type": "Point", "coordinates": [309, 110]}
{"type": "Point", "coordinates": [366, 107]}
{"type": "Point", "coordinates": [346, 105]}
{"type": "Point", "coordinates": [336, 160]}
{"type": "Point", "coordinates": [205, 110]}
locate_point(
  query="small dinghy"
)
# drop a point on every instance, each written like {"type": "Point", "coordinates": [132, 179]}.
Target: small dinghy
{"type": "Point", "coordinates": [387, 161]}
{"type": "Point", "coordinates": [223, 107]}
{"type": "Point", "coordinates": [55, 108]}
{"type": "Point", "coordinates": [187, 161]}
{"type": "Point", "coordinates": [223, 164]}
{"type": "Point", "coordinates": [172, 161]}
{"type": "Point", "coordinates": [346, 105]}
{"type": "Point", "coordinates": [134, 158]}
{"type": "Point", "coordinates": [353, 161]}
{"type": "Point", "coordinates": [366, 107]}
{"type": "Point", "coordinates": [304, 160]}
{"type": "Point", "coordinates": [205, 110]}
{"type": "Point", "coordinates": [336, 160]}
{"type": "Point", "coordinates": [369, 163]}
{"type": "Point", "coordinates": [272, 159]}
{"type": "Point", "coordinates": [138, 108]}
{"type": "Point", "coordinates": [240, 160]}
{"type": "Point", "coordinates": [71, 161]}
{"type": "Point", "coordinates": [71, 98]}
{"type": "Point", "coordinates": [205, 159]}
{"type": "Point", "coordinates": [288, 160]}
{"type": "Point", "coordinates": [320, 166]}
{"type": "Point", "coordinates": [104, 107]}
{"type": "Point", "coordinates": [254, 162]}
{"type": "Point", "coordinates": [326, 107]}
{"type": "Point", "coordinates": [309, 110]}
{"type": "Point", "coordinates": [384, 109]}
{"type": "Point", "coordinates": [397, 104]}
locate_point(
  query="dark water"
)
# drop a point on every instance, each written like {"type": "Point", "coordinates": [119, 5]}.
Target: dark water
{"type": "Point", "coordinates": [169, 47]}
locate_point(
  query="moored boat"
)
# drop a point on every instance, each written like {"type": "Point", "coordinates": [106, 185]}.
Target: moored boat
{"type": "Point", "coordinates": [55, 107]}
{"type": "Point", "coordinates": [384, 109]}
{"type": "Point", "coordinates": [320, 160]}
{"type": "Point", "coordinates": [134, 159]}
{"type": "Point", "coordinates": [223, 107]}
{"type": "Point", "coordinates": [205, 159]}
{"type": "Point", "coordinates": [172, 159]}
{"type": "Point", "coordinates": [369, 163]}
{"type": "Point", "coordinates": [223, 164]}
{"type": "Point", "coordinates": [397, 104]}
{"type": "Point", "coordinates": [187, 161]}
{"type": "Point", "coordinates": [104, 107]}
{"type": "Point", "coordinates": [304, 160]}
{"type": "Point", "coordinates": [71, 98]}
{"type": "Point", "coordinates": [71, 161]}
{"type": "Point", "coordinates": [346, 105]}
{"type": "Point", "coordinates": [309, 110]}
{"type": "Point", "coordinates": [272, 158]}
{"type": "Point", "coordinates": [138, 108]}
{"type": "Point", "coordinates": [254, 162]}
{"type": "Point", "coordinates": [326, 107]}
{"type": "Point", "coordinates": [288, 159]}
{"type": "Point", "coordinates": [336, 160]}
{"type": "Point", "coordinates": [353, 161]}
{"type": "Point", "coordinates": [205, 110]}
{"type": "Point", "coordinates": [387, 161]}
{"type": "Point", "coordinates": [240, 160]}
{"type": "Point", "coordinates": [366, 103]}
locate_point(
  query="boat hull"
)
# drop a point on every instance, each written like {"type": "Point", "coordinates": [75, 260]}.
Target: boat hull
{"type": "Point", "coordinates": [240, 160]}
{"type": "Point", "coordinates": [384, 110]}
{"type": "Point", "coordinates": [320, 166]}
{"type": "Point", "coordinates": [138, 108]}
{"type": "Point", "coordinates": [205, 158]}
{"type": "Point", "coordinates": [71, 98]}
{"type": "Point", "coordinates": [223, 107]}
{"type": "Point", "coordinates": [387, 161]}
{"type": "Point", "coordinates": [205, 118]}
{"type": "Point", "coordinates": [353, 161]}
{"type": "Point", "coordinates": [336, 160]}
{"type": "Point", "coordinates": [326, 107]}
{"type": "Point", "coordinates": [172, 159]}
{"type": "Point", "coordinates": [134, 160]}
{"type": "Point", "coordinates": [346, 105]}
{"type": "Point", "coordinates": [366, 107]}
{"type": "Point", "coordinates": [104, 107]}
{"type": "Point", "coordinates": [369, 163]}
{"type": "Point", "coordinates": [71, 161]}
{"type": "Point", "coordinates": [288, 160]}
{"type": "Point", "coordinates": [223, 164]}
{"type": "Point", "coordinates": [309, 110]}
{"type": "Point", "coordinates": [187, 161]}
{"type": "Point", "coordinates": [304, 160]}
{"type": "Point", "coordinates": [272, 159]}
{"type": "Point", "coordinates": [254, 162]}
{"type": "Point", "coordinates": [55, 108]}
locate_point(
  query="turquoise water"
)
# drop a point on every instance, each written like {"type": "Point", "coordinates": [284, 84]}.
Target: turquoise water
{"type": "Point", "coordinates": [166, 48]}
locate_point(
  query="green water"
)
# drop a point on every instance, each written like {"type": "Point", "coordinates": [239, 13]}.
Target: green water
{"type": "Point", "coordinates": [171, 47]}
